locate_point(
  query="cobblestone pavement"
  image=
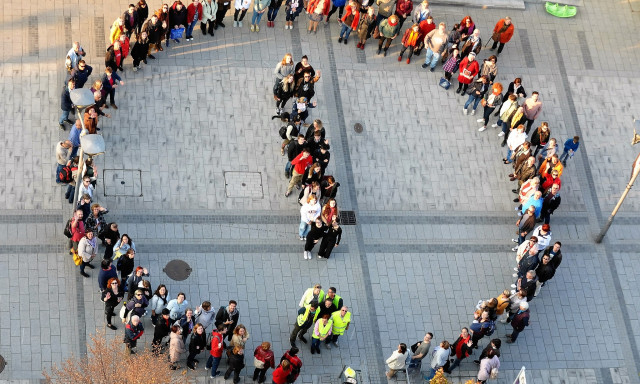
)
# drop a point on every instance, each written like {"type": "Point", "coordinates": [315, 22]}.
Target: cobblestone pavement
{"type": "Point", "coordinates": [430, 193]}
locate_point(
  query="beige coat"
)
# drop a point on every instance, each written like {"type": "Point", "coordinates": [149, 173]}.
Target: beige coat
{"type": "Point", "coordinates": [176, 347]}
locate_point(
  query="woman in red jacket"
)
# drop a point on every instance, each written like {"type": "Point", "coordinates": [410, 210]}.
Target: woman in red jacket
{"type": "Point", "coordinates": [282, 372]}
{"type": "Point", "coordinates": [263, 361]}
{"type": "Point", "coordinates": [317, 10]}
{"type": "Point", "coordinates": [349, 21]}
{"type": "Point", "coordinates": [469, 68]}
{"type": "Point", "coordinates": [502, 33]}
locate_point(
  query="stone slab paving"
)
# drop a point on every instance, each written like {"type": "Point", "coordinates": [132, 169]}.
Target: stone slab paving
{"type": "Point", "coordinates": [420, 177]}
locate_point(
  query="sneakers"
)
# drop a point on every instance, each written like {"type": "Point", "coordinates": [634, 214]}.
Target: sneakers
{"type": "Point", "coordinates": [302, 239]}
{"type": "Point", "coordinates": [515, 269]}
{"type": "Point", "coordinates": [473, 112]}
{"type": "Point", "coordinates": [239, 24]}
{"type": "Point", "coordinates": [514, 275]}
{"type": "Point", "coordinates": [253, 28]}
{"type": "Point", "coordinates": [515, 241]}
{"type": "Point", "coordinates": [500, 134]}
{"type": "Point", "coordinates": [340, 41]}
{"type": "Point", "coordinates": [135, 69]}
{"type": "Point", "coordinates": [481, 129]}
{"type": "Point", "coordinates": [514, 249]}
{"type": "Point", "coordinates": [494, 125]}
{"type": "Point", "coordinates": [335, 344]}
{"type": "Point", "coordinates": [257, 28]}
{"type": "Point", "coordinates": [432, 69]}
{"type": "Point", "coordinates": [277, 111]}
{"type": "Point", "coordinates": [302, 338]}
{"type": "Point", "coordinates": [111, 326]}
{"type": "Point", "coordinates": [513, 286]}
{"type": "Point", "coordinates": [480, 120]}
{"type": "Point", "coordinates": [235, 24]}
{"type": "Point", "coordinates": [62, 127]}
{"type": "Point", "coordinates": [320, 257]}
{"type": "Point", "coordinates": [464, 110]}
{"type": "Point", "coordinates": [305, 255]}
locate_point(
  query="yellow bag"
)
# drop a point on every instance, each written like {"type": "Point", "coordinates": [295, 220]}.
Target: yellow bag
{"type": "Point", "coordinates": [76, 258]}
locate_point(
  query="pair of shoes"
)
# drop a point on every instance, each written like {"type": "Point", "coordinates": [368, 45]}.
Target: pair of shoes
{"type": "Point", "coordinates": [70, 122]}
{"type": "Point", "coordinates": [345, 41]}
{"type": "Point", "coordinates": [408, 61]}
{"type": "Point", "coordinates": [358, 45]}
{"type": "Point", "coordinates": [482, 129]}
{"type": "Point", "coordinates": [135, 69]}
{"type": "Point", "coordinates": [305, 255]}
{"type": "Point", "coordinates": [480, 120]}
{"type": "Point", "coordinates": [362, 46]}
{"type": "Point", "coordinates": [335, 344]}
{"type": "Point", "coordinates": [111, 326]}
{"type": "Point", "coordinates": [62, 127]}
{"type": "Point", "coordinates": [514, 249]}
{"type": "Point", "coordinates": [340, 39]}
{"type": "Point", "coordinates": [500, 134]}
{"type": "Point", "coordinates": [328, 346]}
{"type": "Point", "coordinates": [301, 238]}
{"type": "Point", "coordinates": [513, 286]}
{"type": "Point", "coordinates": [465, 111]}
{"type": "Point", "coordinates": [495, 126]}
{"type": "Point", "coordinates": [114, 106]}
{"type": "Point", "coordinates": [235, 24]}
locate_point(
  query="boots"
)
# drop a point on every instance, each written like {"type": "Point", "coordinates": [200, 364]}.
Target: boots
{"type": "Point", "coordinates": [211, 28]}
{"type": "Point", "coordinates": [203, 28]}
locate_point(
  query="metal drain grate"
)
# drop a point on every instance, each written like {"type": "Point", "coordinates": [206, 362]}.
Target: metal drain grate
{"type": "Point", "coordinates": [348, 218]}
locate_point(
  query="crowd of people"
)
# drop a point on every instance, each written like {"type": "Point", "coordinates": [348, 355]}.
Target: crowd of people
{"type": "Point", "coordinates": [537, 168]}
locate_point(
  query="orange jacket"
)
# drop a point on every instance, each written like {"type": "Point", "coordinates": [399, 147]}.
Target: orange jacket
{"type": "Point", "coordinates": [356, 17]}
{"type": "Point", "coordinates": [411, 38]}
{"type": "Point", "coordinates": [507, 34]}
{"type": "Point", "coordinates": [314, 3]}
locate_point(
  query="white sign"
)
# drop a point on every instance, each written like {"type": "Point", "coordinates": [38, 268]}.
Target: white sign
{"type": "Point", "coordinates": [521, 378]}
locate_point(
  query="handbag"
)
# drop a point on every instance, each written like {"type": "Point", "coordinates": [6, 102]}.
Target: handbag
{"type": "Point", "coordinates": [444, 83]}
{"type": "Point", "coordinates": [77, 260]}
{"type": "Point", "coordinates": [258, 363]}
{"type": "Point", "coordinates": [176, 33]}
{"type": "Point", "coordinates": [494, 373]}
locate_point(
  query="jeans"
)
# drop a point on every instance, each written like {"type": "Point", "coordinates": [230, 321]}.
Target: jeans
{"type": "Point", "coordinates": [486, 114]}
{"type": "Point", "coordinates": [429, 376]}
{"type": "Point", "coordinates": [64, 116]}
{"type": "Point", "coordinates": [564, 156]}
{"type": "Point", "coordinates": [473, 98]}
{"type": "Point", "coordinates": [271, 13]}
{"type": "Point", "coordinates": [82, 266]}
{"type": "Point", "coordinates": [521, 238]}
{"type": "Point", "coordinates": [404, 48]}
{"type": "Point", "coordinates": [315, 343]}
{"type": "Point", "coordinates": [190, 27]}
{"type": "Point", "coordinates": [112, 95]}
{"type": "Point", "coordinates": [287, 169]}
{"type": "Point", "coordinates": [213, 363]}
{"type": "Point", "coordinates": [455, 363]}
{"type": "Point", "coordinates": [345, 31]}
{"type": "Point", "coordinates": [508, 155]}
{"type": "Point", "coordinates": [304, 229]}
{"type": "Point", "coordinates": [432, 58]}
{"type": "Point", "coordinates": [255, 18]}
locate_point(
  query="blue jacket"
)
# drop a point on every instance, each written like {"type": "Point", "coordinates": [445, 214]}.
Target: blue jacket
{"type": "Point", "coordinates": [535, 203]}
{"type": "Point", "coordinates": [569, 144]}
{"type": "Point", "coordinates": [74, 136]}
{"type": "Point", "coordinates": [104, 276]}
{"type": "Point", "coordinates": [81, 76]}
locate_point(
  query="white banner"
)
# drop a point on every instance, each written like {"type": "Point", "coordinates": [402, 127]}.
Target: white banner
{"type": "Point", "coordinates": [521, 378]}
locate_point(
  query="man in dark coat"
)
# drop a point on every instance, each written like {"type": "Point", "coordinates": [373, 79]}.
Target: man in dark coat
{"type": "Point", "coordinates": [65, 103]}
{"type": "Point", "coordinates": [153, 28]}
{"type": "Point", "coordinates": [550, 203]}
{"type": "Point", "coordinates": [162, 330]}
{"type": "Point", "coordinates": [228, 316]}
{"type": "Point", "coordinates": [81, 74]}
{"type": "Point", "coordinates": [528, 284]}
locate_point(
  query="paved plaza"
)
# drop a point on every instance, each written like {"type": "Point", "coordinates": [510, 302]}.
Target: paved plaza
{"type": "Point", "coordinates": [194, 143]}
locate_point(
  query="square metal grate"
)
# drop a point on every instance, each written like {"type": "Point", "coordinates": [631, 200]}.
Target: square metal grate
{"type": "Point", "coordinates": [243, 184]}
{"type": "Point", "coordinates": [348, 218]}
{"type": "Point", "coordinates": [122, 182]}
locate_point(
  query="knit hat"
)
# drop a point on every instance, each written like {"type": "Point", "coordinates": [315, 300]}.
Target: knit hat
{"type": "Point", "coordinates": [472, 54]}
{"type": "Point", "coordinates": [393, 20]}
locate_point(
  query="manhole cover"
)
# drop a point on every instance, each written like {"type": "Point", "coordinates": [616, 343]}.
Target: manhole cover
{"type": "Point", "coordinates": [358, 128]}
{"type": "Point", "coordinates": [243, 184]}
{"type": "Point", "coordinates": [347, 217]}
{"type": "Point", "coordinates": [122, 182]}
{"type": "Point", "coordinates": [177, 270]}
{"type": "Point", "coordinates": [3, 363]}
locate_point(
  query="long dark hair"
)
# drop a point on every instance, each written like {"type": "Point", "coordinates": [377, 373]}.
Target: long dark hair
{"type": "Point", "coordinates": [166, 293]}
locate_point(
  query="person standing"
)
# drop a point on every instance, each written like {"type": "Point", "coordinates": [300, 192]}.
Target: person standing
{"type": "Point", "coordinates": [543, 234]}
{"type": "Point", "coordinates": [312, 294]}
{"type": "Point", "coordinates": [228, 316]}
{"type": "Point", "coordinates": [63, 157]}
{"type": "Point", "coordinates": [217, 346]}
{"type": "Point", "coordinates": [403, 10]}
{"type": "Point", "coordinates": [410, 40]}
{"type": "Point", "coordinates": [436, 42]}
{"type": "Point", "coordinates": [490, 102]}
{"type": "Point", "coordinates": [260, 7]}
{"type": "Point", "coordinates": [264, 360]}
{"type": "Point", "coordinates": [209, 10]}
{"type": "Point", "coordinates": [241, 6]}
{"type": "Point", "coordinates": [469, 68]}
{"type": "Point", "coordinates": [335, 6]}
{"type": "Point", "coordinates": [330, 240]}
{"type": "Point", "coordinates": [197, 344]}
{"type": "Point", "coordinates": [132, 332]}
{"type": "Point", "coordinates": [65, 103]}
{"type": "Point", "coordinates": [176, 346]}
{"type": "Point", "coordinates": [291, 357]}
{"type": "Point", "coordinates": [140, 51]}
{"type": "Point", "coordinates": [397, 360]}
{"type": "Point", "coordinates": [366, 20]}
{"type": "Point", "coordinates": [519, 322]}
{"type": "Point", "coordinates": [341, 320]}
{"type": "Point", "coordinates": [87, 249]}
{"type": "Point", "coordinates": [531, 109]}
{"type": "Point", "coordinates": [306, 318]}
{"type": "Point", "coordinates": [570, 148]}
{"type": "Point", "coordinates": [274, 7]}
{"type": "Point", "coordinates": [236, 364]}
{"type": "Point", "coordinates": [545, 272]}
{"type": "Point", "coordinates": [283, 372]}
{"type": "Point", "coordinates": [389, 30]}
{"type": "Point", "coordinates": [178, 306]}
{"type": "Point", "coordinates": [321, 332]}
{"type": "Point", "coordinates": [555, 254]}
{"type": "Point", "coordinates": [540, 137]}
{"type": "Point", "coordinates": [300, 164]}
{"type": "Point", "coordinates": [130, 20]}
{"type": "Point", "coordinates": [309, 212]}
{"type": "Point", "coordinates": [162, 329]}
{"type": "Point", "coordinates": [462, 348]}
{"type": "Point", "coordinates": [494, 346]}
{"type": "Point", "coordinates": [194, 14]}
{"type": "Point", "coordinates": [223, 7]}
{"type": "Point", "coordinates": [487, 366]}
{"type": "Point", "coordinates": [421, 12]}
{"type": "Point", "coordinates": [106, 273]}
{"type": "Point", "coordinates": [349, 21]}
{"type": "Point", "coordinates": [81, 73]}
{"type": "Point", "coordinates": [111, 296]}
{"type": "Point", "coordinates": [502, 33]}
{"type": "Point", "coordinates": [440, 356]}
{"type": "Point", "coordinates": [314, 235]}
{"type": "Point", "coordinates": [526, 223]}
{"type": "Point", "coordinates": [114, 57]}
{"type": "Point", "coordinates": [476, 93]}
{"type": "Point", "coordinates": [75, 54]}
{"type": "Point", "coordinates": [317, 10]}
{"type": "Point", "coordinates": [422, 349]}
{"type": "Point", "coordinates": [177, 18]}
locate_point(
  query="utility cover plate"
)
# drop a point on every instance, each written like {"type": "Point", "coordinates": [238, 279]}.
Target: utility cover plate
{"type": "Point", "coordinates": [122, 182]}
{"type": "Point", "coordinates": [177, 270]}
{"type": "Point", "coordinates": [243, 184]}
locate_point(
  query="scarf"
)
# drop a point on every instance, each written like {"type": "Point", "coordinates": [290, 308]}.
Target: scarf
{"type": "Point", "coordinates": [232, 313]}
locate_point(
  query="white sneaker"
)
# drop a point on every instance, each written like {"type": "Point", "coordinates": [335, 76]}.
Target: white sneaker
{"type": "Point", "coordinates": [500, 134]}
{"type": "Point", "coordinates": [515, 275]}
{"type": "Point", "coordinates": [514, 249]}
{"type": "Point", "coordinates": [473, 112]}
{"type": "Point", "coordinates": [464, 110]}
{"type": "Point", "coordinates": [515, 241]}
{"type": "Point", "coordinates": [503, 321]}
{"type": "Point", "coordinates": [515, 269]}
{"type": "Point", "coordinates": [513, 291]}
{"type": "Point", "coordinates": [304, 255]}
{"type": "Point", "coordinates": [480, 120]}
{"type": "Point", "coordinates": [240, 24]}
{"type": "Point", "coordinates": [494, 125]}
{"type": "Point", "coordinates": [482, 128]}
{"type": "Point", "coordinates": [235, 24]}
{"type": "Point", "coordinates": [513, 285]}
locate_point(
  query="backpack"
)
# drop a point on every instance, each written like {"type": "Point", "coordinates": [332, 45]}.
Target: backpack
{"type": "Point", "coordinates": [67, 229]}
{"type": "Point", "coordinates": [283, 131]}
{"type": "Point", "coordinates": [488, 331]}
{"type": "Point", "coordinates": [66, 174]}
